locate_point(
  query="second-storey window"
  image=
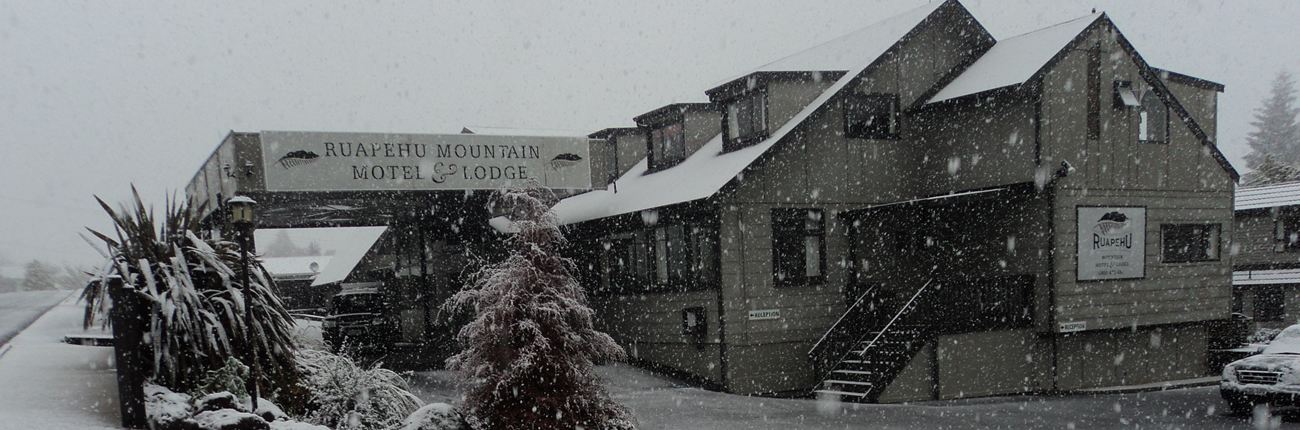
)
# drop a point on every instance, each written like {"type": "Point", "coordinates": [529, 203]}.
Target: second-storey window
{"type": "Point", "coordinates": [1153, 119]}
{"type": "Point", "coordinates": [667, 146]}
{"type": "Point", "coordinates": [798, 246]}
{"type": "Point", "coordinates": [871, 116]}
{"type": "Point", "coordinates": [1183, 243]}
{"type": "Point", "coordinates": [611, 159]}
{"type": "Point", "coordinates": [747, 119]}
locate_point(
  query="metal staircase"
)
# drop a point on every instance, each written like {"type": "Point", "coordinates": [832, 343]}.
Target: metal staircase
{"type": "Point", "coordinates": [859, 369]}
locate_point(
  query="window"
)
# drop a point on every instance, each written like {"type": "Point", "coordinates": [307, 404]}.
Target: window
{"type": "Point", "coordinates": [1270, 303]}
{"type": "Point", "coordinates": [667, 146]}
{"type": "Point", "coordinates": [1190, 242]}
{"type": "Point", "coordinates": [1153, 119]}
{"type": "Point", "coordinates": [798, 246]}
{"type": "Point", "coordinates": [675, 257]}
{"type": "Point", "coordinates": [1094, 92]}
{"type": "Point", "coordinates": [1288, 232]}
{"type": "Point", "coordinates": [611, 159]}
{"type": "Point", "coordinates": [747, 119]}
{"type": "Point", "coordinates": [871, 116]}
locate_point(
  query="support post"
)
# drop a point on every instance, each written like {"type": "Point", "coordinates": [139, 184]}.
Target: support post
{"type": "Point", "coordinates": [128, 319]}
{"type": "Point", "coordinates": [252, 383]}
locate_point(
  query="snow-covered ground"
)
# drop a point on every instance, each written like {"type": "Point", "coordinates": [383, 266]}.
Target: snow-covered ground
{"type": "Point", "coordinates": [17, 310]}
{"type": "Point", "coordinates": [661, 403]}
{"type": "Point", "coordinates": [48, 384]}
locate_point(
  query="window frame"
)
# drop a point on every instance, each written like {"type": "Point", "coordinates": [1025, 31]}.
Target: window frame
{"type": "Point", "coordinates": [752, 133]}
{"type": "Point", "coordinates": [661, 155]}
{"type": "Point", "coordinates": [791, 229]}
{"type": "Point", "coordinates": [1283, 236]}
{"type": "Point", "coordinates": [1213, 240]}
{"type": "Point", "coordinates": [855, 107]}
{"type": "Point", "coordinates": [1146, 104]}
{"type": "Point", "coordinates": [660, 264]}
{"type": "Point", "coordinates": [1276, 311]}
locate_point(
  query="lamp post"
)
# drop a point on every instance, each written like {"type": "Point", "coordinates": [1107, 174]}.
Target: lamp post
{"type": "Point", "coordinates": [244, 219]}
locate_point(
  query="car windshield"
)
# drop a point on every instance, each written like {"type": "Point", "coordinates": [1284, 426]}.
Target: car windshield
{"type": "Point", "coordinates": [354, 304]}
{"type": "Point", "coordinates": [1286, 342]}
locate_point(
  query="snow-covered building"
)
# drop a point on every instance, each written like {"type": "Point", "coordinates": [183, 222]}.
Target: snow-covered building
{"type": "Point", "coordinates": [1266, 257]}
{"type": "Point", "coordinates": [917, 210]}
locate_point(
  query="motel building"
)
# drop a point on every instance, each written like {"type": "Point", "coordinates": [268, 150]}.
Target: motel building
{"type": "Point", "coordinates": [919, 211]}
{"type": "Point", "coordinates": [912, 211]}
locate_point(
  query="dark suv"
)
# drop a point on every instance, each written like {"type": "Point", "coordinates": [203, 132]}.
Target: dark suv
{"type": "Point", "coordinates": [358, 317]}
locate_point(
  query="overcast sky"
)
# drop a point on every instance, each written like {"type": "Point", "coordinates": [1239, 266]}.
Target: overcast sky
{"type": "Point", "coordinates": [97, 95]}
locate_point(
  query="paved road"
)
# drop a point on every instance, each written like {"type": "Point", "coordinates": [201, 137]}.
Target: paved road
{"type": "Point", "coordinates": [18, 310]}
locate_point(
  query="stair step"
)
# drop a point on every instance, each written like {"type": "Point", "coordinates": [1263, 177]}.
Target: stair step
{"type": "Point", "coordinates": [840, 393]}
{"type": "Point", "coordinates": [854, 372]}
{"type": "Point", "coordinates": [843, 382]}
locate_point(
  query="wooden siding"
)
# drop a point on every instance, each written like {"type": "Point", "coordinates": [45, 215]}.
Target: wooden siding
{"type": "Point", "coordinates": [1178, 182]}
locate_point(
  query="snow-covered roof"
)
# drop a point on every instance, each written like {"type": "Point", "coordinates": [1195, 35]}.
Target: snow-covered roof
{"type": "Point", "coordinates": [707, 170]}
{"type": "Point", "coordinates": [346, 257]}
{"type": "Point", "coordinates": [849, 51]}
{"type": "Point", "coordinates": [1262, 277]}
{"type": "Point", "coordinates": [1267, 196]}
{"type": "Point", "coordinates": [509, 131]}
{"type": "Point", "coordinates": [1014, 60]}
{"type": "Point", "coordinates": [295, 266]}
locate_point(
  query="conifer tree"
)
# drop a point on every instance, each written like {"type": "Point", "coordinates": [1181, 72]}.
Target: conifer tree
{"type": "Point", "coordinates": [1276, 132]}
{"type": "Point", "coordinates": [1270, 171]}
{"type": "Point", "coordinates": [530, 351]}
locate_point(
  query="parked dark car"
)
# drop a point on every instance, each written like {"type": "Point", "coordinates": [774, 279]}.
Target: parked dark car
{"type": "Point", "coordinates": [359, 316]}
{"type": "Point", "coordinates": [1271, 377]}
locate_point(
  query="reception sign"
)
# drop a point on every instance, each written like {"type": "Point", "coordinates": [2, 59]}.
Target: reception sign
{"type": "Point", "coordinates": [321, 161]}
{"type": "Point", "coordinates": [1112, 243]}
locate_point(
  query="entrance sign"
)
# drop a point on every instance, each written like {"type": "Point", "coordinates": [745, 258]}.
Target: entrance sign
{"type": "Point", "coordinates": [322, 161]}
{"type": "Point", "coordinates": [765, 314]}
{"type": "Point", "coordinates": [1112, 243]}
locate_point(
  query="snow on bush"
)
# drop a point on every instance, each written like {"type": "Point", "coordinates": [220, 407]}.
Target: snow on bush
{"type": "Point", "coordinates": [230, 419]}
{"type": "Point", "coordinates": [163, 407]}
{"type": "Point", "coordinates": [229, 378]}
{"type": "Point", "coordinates": [348, 396]}
{"type": "Point", "coordinates": [434, 416]}
{"type": "Point", "coordinates": [529, 354]}
{"type": "Point", "coordinates": [197, 319]}
{"type": "Point", "coordinates": [1263, 335]}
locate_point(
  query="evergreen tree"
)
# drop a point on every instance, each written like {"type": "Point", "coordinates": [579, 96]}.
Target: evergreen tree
{"type": "Point", "coordinates": [1270, 171]}
{"type": "Point", "coordinates": [38, 277]}
{"type": "Point", "coordinates": [1276, 132]}
{"type": "Point", "coordinates": [530, 352]}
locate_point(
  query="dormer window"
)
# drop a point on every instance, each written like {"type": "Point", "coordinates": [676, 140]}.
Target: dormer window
{"type": "Point", "coordinates": [747, 120]}
{"type": "Point", "coordinates": [871, 116]}
{"type": "Point", "coordinates": [1153, 119]}
{"type": "Point", "coordinates": [667, 145]}
{"type": "Point", "coordinates": [611, 159]}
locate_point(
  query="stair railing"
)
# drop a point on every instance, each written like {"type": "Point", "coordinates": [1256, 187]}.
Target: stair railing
{"type": "Point", "coordinates": [820, 357]}
{"type": "Point", "coordinates": [843, 334]}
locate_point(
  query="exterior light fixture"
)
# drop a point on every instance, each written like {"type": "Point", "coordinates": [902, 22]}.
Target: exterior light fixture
{"type": "Point", "coordinates": [244, 218]}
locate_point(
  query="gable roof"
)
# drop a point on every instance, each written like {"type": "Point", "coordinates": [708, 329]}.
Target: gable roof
{"type": "Point", "coordinates": [1267, 196]}
{"type": "Point", "coordinates": [1023, 58]}
{"type": "Point", "coordinates": [847, 52]}
{"type": "Point", "coordinates": [708, 170]}
{"type": "Point", "coordinates": [1015, 60]}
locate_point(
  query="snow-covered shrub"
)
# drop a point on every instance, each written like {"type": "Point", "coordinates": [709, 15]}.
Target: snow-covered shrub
{"type": "Point", "coordinates": [197, 320]}
{"type": "Point", "coordinates": [228, 378]}
{"type": "Point", "coordinates": [164, 408]}
{"type": "Point", "coordinates": [1263, 335]}
{"type": "Point", "coordinates": [434, 416]}
{"type": "Point", "coordinates": [345, 395]}
{"type": "Point", "coordinates": [529, 354]}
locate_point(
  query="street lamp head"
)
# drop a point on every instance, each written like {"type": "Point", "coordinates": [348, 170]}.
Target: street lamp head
{"type": "Point", "coordinates": [241, 211]}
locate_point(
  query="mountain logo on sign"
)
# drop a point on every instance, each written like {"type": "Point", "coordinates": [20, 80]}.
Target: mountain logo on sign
{"type": "Point", "coordinates": [1112, 231]}
{"type": "Point", "coordinates": [297, 158]}
{"type": "Point", "coordinates": [565, 160]}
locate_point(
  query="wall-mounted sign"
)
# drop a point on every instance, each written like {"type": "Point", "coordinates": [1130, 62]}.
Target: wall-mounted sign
{"type": "Point", "coordinates": [765, 314]}
{"type": "Point", "coordinates": [1112, 243]}
{"type": "Point", "coordinates": [317, 161]}
{"type": "Point", "coordinates": [1073, 326]}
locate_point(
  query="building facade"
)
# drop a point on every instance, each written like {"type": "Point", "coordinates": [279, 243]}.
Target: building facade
{"type": "Point", "coordinates": [919, 211]}
{"type": "Point", "coordinates": [1266, 255]}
